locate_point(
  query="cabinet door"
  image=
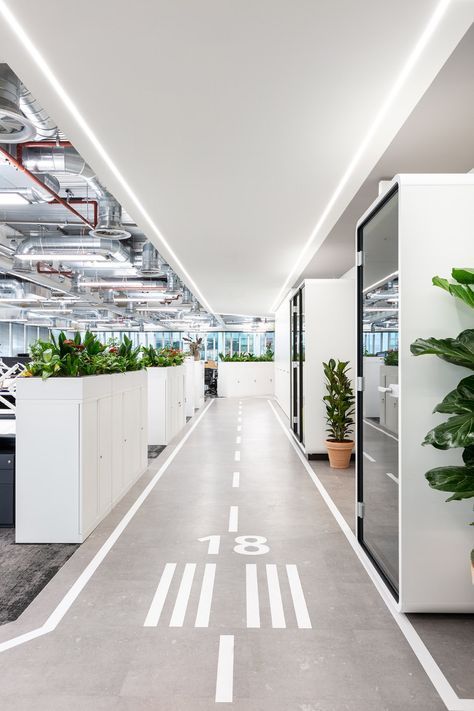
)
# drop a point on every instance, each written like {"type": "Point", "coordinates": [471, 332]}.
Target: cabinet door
{"type": "Point", "coordinates": [143, 428]}
{"type": "Point", "coordinates": [117, 436]}
{"type": "Point", "coordinates": [89, 474]}
{"type": "Point", "coordinates": [180, 410]}
{"type": "Point", "coordinates": [105, 454]}
{"type": "Point", "coordinates": [131, 435]}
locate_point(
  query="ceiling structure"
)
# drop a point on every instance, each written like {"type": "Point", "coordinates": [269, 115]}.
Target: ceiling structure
{"type": "Point", "coordinates": [226, 130]}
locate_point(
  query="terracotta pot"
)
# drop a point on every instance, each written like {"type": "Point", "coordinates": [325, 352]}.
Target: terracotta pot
{"type": "Point", "coordinates": [339, 453]}
{"type": "Point", "coordinates": [197, 356]}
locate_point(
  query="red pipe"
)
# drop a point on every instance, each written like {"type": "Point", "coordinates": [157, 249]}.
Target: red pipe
{"type": "Point", "coordinates": [83, 201]}
{"type": "Point", "coordinates": [19, 166]}
{"type": "Point", "coordinates": [39, 144]}
{"type": "Point", "coordinates": [43, 268]}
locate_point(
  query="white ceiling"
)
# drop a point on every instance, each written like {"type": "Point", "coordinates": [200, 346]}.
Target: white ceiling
{"type": "Point", "coordinates": [232, 122]}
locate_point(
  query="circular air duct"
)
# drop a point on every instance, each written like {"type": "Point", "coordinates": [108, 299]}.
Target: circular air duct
{"type": "Point", "coordinates": [14, 126]}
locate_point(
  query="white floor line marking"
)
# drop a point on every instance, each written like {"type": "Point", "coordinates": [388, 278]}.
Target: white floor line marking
{"type": "Point", "coordinates": [240, 402]}
{"type": "Point", "coordinates": [74, 591]}
{"type": "Point", "coordinates": [436, 676]}
{"type": "Point", "coordinates": [159, 597]}
{"type": "Point", "coordinates": [392, 476]}
{"type": "Point", "coordinates": [239, 428]}
{"type": "Point", "coordinates": [297, 594]}
{"type": "Point", "coordinates": [234, 519]}
{"type": "Point", "coordinates": [251, 590]}
{"type": "Point", "coordinates": [367, 456]}
{"type": "Point", "coordinates": [182, 598]}
{"type": "Point", "coordinates": [239, 419]}
{"type": "Point", "coordinates": [205, 599]}
{"type": "Point", "coordinates": [379, 429]}
{"type": "Point", "coordinates": [225, 670]}
{"type": "Point", "coordinates": [236, 480]}
{"type": "Point", "coordinates": [237, 455]}
{"type": "Point", "coordinates": [238, 439]}
{"type": "Point", "coordinates": [274, 596]}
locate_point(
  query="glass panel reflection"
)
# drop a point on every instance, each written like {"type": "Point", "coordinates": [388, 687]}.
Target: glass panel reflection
{"type": "Point", "coordinates": [378, 436]}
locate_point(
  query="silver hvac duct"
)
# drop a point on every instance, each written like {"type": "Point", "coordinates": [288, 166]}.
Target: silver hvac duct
{"type": "Point", "coordinates": [108, 248]}
{"type": "Point", "coordinates": [65, 159]}
{"type": "Point", "coordinates": [13, 287]}
{"type": "Point", "coordinates": [14, 126]}
{"type": "Point", "coordinates": [187, 297]}
{"type": "Point", "coordinates": [45, 128]}
{"type": "Point", "coordinates": [152, 263]}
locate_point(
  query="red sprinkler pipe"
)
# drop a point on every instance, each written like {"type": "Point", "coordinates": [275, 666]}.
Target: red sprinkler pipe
{"type": "Point", "coordinates": [56, 198]}
{"type": "Point", "coordinates": [39, 144]}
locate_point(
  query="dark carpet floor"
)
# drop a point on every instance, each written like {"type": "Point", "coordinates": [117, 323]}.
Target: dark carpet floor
{"type": "Point", "coordinates": [25, 569]}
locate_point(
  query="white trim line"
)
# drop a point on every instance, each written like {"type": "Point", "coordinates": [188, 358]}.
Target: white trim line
{"type": "Point", "coordinates": [434, 673]}
{"type": "Point", "coordinates": [74, 591]}
{"type": "Point", "coordinates": [225, 670]}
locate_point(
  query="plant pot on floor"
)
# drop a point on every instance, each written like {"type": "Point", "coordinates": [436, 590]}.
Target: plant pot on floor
{"type": "Point", "coordinates": [339, 453]}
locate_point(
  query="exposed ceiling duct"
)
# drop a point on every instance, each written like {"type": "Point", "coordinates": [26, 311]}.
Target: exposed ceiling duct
{"type": "Point", "coordinates": [14, 126]}
{"type": "Point", "coordinates": [68, 248]}
{"type": "Point", "coordinates": [45, 128]}
{"type": "Point", "coordinates": [65, 159]}
{"type": "Point", "coordinates": [152, 263]}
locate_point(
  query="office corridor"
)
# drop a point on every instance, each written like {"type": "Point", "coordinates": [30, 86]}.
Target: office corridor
{"type": "Point", "coordinates": [229, 582]}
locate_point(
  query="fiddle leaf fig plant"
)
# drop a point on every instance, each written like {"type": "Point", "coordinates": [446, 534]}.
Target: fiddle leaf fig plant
{"type": "Point", "coordinates": [458, 430]}
{"type": "Point", "coordinates": [339, 401]}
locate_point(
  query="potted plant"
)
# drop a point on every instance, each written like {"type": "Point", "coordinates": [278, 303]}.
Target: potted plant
{"type": "Point", "coordinates": [339, 403]}
{"type": "Point", "coordinates": [194, 347]}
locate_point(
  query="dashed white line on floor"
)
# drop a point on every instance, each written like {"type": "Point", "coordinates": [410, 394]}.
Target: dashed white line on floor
{"type": "Point", "coordinates": [181, 604]}
{"type": "Point", "coordinates": [251, 586]}
{"type": "Point", "coordinates": [205, 599]}
{"type": "Point", "coordinates": [234, 519]}
{"type": "Point", "coordinates": [159, 598]}
{"type": "Point", "coordinates": [238, 439]}
{"type": "Point", "coordinates": [225, 670]}
{"type": "Point", "coordinates": [236, 480]}
{"type": "Point", "coordinates": [367, 456]}
{"type": "Point", "coordinates": [299, 603]}
{"type": "Point", "coordinates": [274, 596]}
{"type": "Point", "coordinates": [239, 428]}
{"type": "Point", "coordinates": [237, 455]}
{"type": "Point", "coordinates": [392, 476]}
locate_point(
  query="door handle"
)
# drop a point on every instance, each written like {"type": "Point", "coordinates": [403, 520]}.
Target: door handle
{"type": "Point", "coordinates": [384, 390]}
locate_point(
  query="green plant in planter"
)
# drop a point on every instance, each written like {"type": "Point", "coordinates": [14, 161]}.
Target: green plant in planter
{"type": "Point", "coordinates": [339, 401]}
{"type": "Point", "coordinates": [391, 358]}
{"type": "Point", "coordinates": [246, 357]}
{"type": "Point", "coordinates": [161, 357]}
{"type": "Point", "coordinates": [458, 430]}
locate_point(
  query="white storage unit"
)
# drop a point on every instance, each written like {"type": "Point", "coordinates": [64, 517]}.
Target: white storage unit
{"type": "Point", "coordinates": [194, 385]}
{"type": "Point", "coordinates": [245, 379]}
{"type": "Point", "coordinates": [282, 357]}
{"type": "Point", "coordinates": [166, 403]}
{"type": "Point", "coordinates": [422, 227]}
{"type": "Point", "coordinates": [372, 368]}
{"type": "Point", "coordinates": [81, 444]}
{"type": "Point", "coordinates": [323, 326]}
{"type": "Point", "coordinates": [388, 397]}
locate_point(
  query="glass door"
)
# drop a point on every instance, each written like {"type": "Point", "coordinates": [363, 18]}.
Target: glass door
{"type": "Point", "coordinates": [297, 362]}
{"type": "Point", "coordinates": [377, 410]}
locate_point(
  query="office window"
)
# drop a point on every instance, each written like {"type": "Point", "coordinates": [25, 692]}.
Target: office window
{"type": "Point", "coordinates": [18, 338]}
{"type": "Point", "coordinates": [4, 339]}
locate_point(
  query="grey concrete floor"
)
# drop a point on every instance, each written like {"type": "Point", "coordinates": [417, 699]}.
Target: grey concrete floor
{"type": "Point", "coordinates": [101, 656]}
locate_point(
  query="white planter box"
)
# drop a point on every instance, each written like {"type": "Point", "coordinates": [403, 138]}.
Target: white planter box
{"type": "Point", "coordinates": [81, 444]}
{"type": "Point", "coordinates": [166, 405]}
{"type": "Point", "coordinates": [194, 385]}
{"type": "Point", "coordinates": [245, 379]}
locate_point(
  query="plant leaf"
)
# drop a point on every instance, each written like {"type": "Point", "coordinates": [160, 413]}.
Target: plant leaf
{"type": "Point", "coordinates": [458, 351]}
{"type": "Point", "coordinates": [458, 480]}
{"type": "Point", "coordinates": [463, 275]}
{"type": "Point", "coordinates": [461, 291]}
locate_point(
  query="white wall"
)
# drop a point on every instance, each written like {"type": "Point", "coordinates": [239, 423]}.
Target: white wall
{"type": "Point", "coordinates": [282, 356]}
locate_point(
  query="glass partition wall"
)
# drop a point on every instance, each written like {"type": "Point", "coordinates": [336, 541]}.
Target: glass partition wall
{"type": "Point", "coordinates": [297, 363]}
{"type": "Point", "coordinates": [377, 409]}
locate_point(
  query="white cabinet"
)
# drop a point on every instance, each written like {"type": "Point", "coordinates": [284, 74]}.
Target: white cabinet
{"type": "Point", "coordinates": [166, 403]}
{"type": "Point", "coordinates": [194, 385]}
{"type": "Point", "coordinates": [245, 379]}
{"type": "Point", "coordinates": [81, 444]}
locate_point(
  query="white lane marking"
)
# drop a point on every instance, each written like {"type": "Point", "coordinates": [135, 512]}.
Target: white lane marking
{"type": "Point", "coordinates": [392, 476]}
{"type": "Point", "coordinates": [205, 599]}
{"type": "Point", "coordinates": [239, 419]}
{"type": "Point", "coordinates": [274, 596]}
{"type": "Point", "coordinates": [297, 594]}
{"type": "Point", "coordinates": [182, 599]}
{"type": "Point", "coordinates": [237, 455]}
{"type": "Point", "coordinates": [236, 480]}
{"type": "Point", "coordinates": [240, 402]}
{"type": "Point", "coordinates": [449, 697]}
{"type": "Point", "coordinates": [234, 519]}
{"type": "Point", "coordinates": [371, 424]}
{"type": "Point", "coordinates": [77, 587]}
{"type": "Point", "coordinates": [225, 670]}
{"type": "Point", "coordinates": [251, 589]}
{"type": "Point", "coordinates": [159, 597]}
{"type": "Point", "coordinates": [367, 456]}
{"type": "Point", "coordinates": [239, 428]}
{"type": "Point", "coordinates": [238, 439]}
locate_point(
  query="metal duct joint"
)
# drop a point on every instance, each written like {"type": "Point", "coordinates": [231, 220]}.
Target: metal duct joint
{"type": "Point", "coordinates": [14, 126]}
{"type": "Point", "coordinates": [65, 159]}
{"type": "Point", "coordinates": [12, 288]}
{"type": "Point", "coordinates": [152, 263]}
{"type": "Point", "coordinates": [108, 248]}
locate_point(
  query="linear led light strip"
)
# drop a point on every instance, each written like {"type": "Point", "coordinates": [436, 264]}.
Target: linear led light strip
{"type": "Point", "coordinates": [413, 58]}
{"type": "Point", "coordinates": [40, 61]}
